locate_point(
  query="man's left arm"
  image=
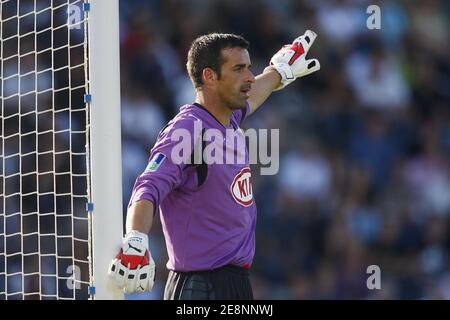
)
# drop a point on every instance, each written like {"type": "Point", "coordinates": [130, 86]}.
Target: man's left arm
{"type": "Point", "coordinates": [264, 85]}
{"type": "Point", "coordinates": [288, 64]}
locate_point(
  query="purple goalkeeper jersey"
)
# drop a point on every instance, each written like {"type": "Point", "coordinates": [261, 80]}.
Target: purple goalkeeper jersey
{"type": "Point", "coordinates": [207, 212]}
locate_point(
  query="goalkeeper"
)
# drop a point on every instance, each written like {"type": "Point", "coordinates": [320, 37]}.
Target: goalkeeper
{"type": "Point", "coordinates": [207, 211]}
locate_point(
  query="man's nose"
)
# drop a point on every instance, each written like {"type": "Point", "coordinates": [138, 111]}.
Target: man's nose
{"type": "Point", "coordinates": [250, 77]}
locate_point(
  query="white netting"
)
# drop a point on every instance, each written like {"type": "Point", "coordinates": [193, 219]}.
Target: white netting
{"type": "Point", "coordinates": [44, 224]}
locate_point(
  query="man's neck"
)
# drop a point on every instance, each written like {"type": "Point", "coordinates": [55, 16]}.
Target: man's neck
{"type": "Point", "coordinates": [221, 112]}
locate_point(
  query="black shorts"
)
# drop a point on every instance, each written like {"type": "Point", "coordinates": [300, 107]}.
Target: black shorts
{"type": "Point", "coordinates": [225, 283]}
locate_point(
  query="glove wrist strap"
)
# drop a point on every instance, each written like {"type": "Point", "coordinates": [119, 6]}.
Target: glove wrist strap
{"type": "Point", "coordinates": [137, 234]}
{"type": "Point", "coordinates": [285, 71]}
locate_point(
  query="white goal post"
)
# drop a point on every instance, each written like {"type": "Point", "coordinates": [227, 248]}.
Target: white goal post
{"type": "Point", "coordinates": [106, 165]}
{"type": "Point", "coordinates": [60, 148]}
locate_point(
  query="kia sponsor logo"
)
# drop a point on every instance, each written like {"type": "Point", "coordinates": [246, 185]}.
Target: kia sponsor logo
{"type": "Point", "coordinates": [241, 188]}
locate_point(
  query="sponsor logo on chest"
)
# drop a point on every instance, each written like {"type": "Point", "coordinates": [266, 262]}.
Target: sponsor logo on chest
{"type": "Point", "coordinates": [241, 188]}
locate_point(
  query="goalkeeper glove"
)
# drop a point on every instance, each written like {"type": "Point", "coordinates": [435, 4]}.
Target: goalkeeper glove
{"type": "Point", "coordinates": [290, 61]}
{"type": "Point", "coordinates": [133, 269]}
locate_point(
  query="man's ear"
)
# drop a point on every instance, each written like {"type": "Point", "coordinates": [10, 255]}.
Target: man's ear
{"type": "Point", "coordinates": [209, 76]}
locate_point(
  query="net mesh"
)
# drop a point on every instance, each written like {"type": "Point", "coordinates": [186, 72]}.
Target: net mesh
{"type": "Point", "coordinates": [44, 225]}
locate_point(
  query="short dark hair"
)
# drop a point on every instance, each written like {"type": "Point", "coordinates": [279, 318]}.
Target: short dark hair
{"type": "Point", "coordinates": [205, 52]}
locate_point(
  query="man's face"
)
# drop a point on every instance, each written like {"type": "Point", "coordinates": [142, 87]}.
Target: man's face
{"type": "Point", "coordinates": [236, 78]}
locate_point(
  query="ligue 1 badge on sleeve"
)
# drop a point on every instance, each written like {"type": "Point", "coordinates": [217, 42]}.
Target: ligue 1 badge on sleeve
{"type": "Point", "coordinates": [156, 161]}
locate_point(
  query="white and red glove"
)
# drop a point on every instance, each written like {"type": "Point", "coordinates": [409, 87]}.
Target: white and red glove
{"type": "Point", "coordinates": [290, 61]}
{"type": "Point", "coordinates": [133, 269]}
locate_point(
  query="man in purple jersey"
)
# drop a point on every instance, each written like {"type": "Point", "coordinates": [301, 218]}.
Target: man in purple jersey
{"type": "Point", "coordinates": [207, 209]}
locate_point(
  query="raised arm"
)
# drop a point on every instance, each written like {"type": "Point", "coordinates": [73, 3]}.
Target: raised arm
{"type": "Point", "coordinates": [264, 85]}
{"type": "Point", "coordinates": [288, 64]}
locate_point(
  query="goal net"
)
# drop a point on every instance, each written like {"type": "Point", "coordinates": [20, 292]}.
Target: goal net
{"type": "Point", "coordinates": [48, 204]}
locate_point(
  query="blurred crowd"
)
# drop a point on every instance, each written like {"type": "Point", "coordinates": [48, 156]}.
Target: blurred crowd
{"type": "Point", "coordinates": [364, 143]}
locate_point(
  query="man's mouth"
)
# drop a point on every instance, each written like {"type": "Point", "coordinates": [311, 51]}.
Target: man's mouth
{"type": "Point", "coordinates": [246, 91]}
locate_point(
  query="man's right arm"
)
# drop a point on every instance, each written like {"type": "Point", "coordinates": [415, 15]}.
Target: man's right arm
{"type": "Point", "coordinates": [133, 268]}
{"type": "Point", "coordinates": [140, 216]}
